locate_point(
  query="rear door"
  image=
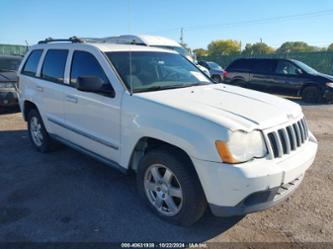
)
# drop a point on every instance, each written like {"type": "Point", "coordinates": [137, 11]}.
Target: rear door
{"type": "Point", "coordinates": [239, 72]}
{"type": "Point", "coordinates": [262, 75]}
{"type": "Point", "coordinates": [50, 85]}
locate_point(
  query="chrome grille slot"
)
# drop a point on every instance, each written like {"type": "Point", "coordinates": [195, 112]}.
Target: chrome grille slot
{"type": "Point", "coordinates": [287, 139]}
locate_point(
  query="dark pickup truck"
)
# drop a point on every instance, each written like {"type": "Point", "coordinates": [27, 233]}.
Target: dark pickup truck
{"type": "Point", "coordinates": [281, 76]}
{"type": "Point", "coordinates": [8, 79]}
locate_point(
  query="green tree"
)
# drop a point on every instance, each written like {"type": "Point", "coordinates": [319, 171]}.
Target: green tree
{"type": "Point", "coordinates": [223, 47]}
{"type": "Point", "coordinates": [292, 47]}
{"type": "Point", "coordinates": [257, 49]}
{"type": "Point", "coordinates": [200, 52]}
{"type": "Point", "coordinates": [330, 47]}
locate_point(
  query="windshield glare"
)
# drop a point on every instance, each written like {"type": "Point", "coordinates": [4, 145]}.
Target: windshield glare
{"type": "Point", "coordinates": [306, 68]}
{"type": "Point", "coordinates": [153, 70]}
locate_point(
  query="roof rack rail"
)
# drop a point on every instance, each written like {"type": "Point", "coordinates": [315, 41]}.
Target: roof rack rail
{"type": "Point", "coordinates": [72, 39]}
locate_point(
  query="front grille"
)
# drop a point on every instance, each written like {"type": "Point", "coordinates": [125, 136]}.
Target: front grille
{"type": "Point", "coordinates": [287, 139]}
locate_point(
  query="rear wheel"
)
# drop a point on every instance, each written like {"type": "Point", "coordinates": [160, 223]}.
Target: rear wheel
{"type": "Point", "coordinates": [216, 78]}
{"type": "Point", "coordinates": [169, 185]}
{"type": "Point", "coordinates": [37, 132]}
{"type": "Point", "coordinates": [311, 94]}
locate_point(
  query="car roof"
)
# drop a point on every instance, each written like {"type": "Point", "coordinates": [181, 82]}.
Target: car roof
{"type": "Point", "coordinates": [104, 47]}
{"type": "Point", "coordinates": [148, 40]}
{"type": "Point", "coordinates": [257, 59]}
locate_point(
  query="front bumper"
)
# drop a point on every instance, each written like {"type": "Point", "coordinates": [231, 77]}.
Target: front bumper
{"type": "Point", "coordinates": [233, 190]}
{"type": "Point", "coordinates": [8, 97]}
{"type": "Point", "coordinates": [328, 95]}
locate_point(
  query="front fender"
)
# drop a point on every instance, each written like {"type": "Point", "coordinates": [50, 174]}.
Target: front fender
{"type": "Point", "coordinates": [191, 133]}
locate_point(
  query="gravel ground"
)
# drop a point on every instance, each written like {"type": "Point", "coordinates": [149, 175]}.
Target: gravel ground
{"type": "Point", "coordinates": [66, 196]}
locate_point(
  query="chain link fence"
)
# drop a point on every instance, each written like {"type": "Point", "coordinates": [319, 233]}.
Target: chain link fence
{"type": "Point", "coordinates": [321, 61]}
{"type": "Point", "coordinates": [7, 49]}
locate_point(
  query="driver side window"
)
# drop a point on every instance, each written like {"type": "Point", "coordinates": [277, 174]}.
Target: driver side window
{"type": "Point", "coordinates": [85, 64]}
{"type": "Point", "coordinates": [286, 68]}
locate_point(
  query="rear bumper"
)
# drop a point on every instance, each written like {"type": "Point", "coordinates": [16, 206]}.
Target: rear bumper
{"type": "Point", "coordinates": [8, 98]}
{"type": "Point", "coordinates": [233, 190]}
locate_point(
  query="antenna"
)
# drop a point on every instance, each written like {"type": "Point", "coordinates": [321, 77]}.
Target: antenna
{"type": "Point", "coordinates": [181, 36]}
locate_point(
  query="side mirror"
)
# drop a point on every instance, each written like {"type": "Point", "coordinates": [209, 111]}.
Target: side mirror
{"type": "Point", "coordinates": [95, 85]}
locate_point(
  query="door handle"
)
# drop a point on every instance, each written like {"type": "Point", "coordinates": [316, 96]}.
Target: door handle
{"type": "Point", "coordinates": [72, 99]}
{"type": "Point", "coordinates": [40, 89]}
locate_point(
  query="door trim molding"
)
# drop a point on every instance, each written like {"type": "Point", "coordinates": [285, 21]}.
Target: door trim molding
{"type": "Point", "coordinates": [82, 133]}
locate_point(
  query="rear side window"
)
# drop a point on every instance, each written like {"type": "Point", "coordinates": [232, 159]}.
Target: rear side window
{"type": "Point", "coordinates": [30, 67]}
{"type": "Point", "coordinates": [85, 64]}
{"type": "Point", "coordinates": [264, 66]}
{"type": "Point", "coordinates": [54, 65]}
{"type": "Point", "coordinates": [240, 65]}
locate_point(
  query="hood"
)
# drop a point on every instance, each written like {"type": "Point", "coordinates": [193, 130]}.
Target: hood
{"type": "Point", "coordinates": [229, 106]}
{"type": "Point", "coordinates": [8, 76]}
{"type": "Point", "coordinates": [326, 76]}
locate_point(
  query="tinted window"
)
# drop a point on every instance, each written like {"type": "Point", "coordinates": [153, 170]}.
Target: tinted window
{"type": "Point", "coordinates": [264, 66]}
{"type": "Point", "coordinates": [54, 65]}
{"type": "Point", "coordinates": [30, 67]}
{"type": "Point", "coordinates": [240, 65]}
{"type": "Point", "coordinates": [85, 64]}
{"type": "Point", "coordinates": [286, 68]}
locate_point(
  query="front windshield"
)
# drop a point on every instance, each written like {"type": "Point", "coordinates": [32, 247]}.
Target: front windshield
{"type": "Point", "coordinates": [306, 68]}
{"type": "Point", "coordinates": [9, 64]}
{"type": "Point", "coordinates": [155, 70]}
{"type": "Point", "coordinates": [214, 65]}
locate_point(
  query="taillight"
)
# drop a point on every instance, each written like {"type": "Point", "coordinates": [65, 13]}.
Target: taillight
{"type": "Point", "coordinates": [225, 74]}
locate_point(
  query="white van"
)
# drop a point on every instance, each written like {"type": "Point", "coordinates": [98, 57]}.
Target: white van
{"type": "Point", "coordinates": [154, 41]}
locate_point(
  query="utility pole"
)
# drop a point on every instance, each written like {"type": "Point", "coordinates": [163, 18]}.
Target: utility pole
{"type": "Point", "coordinates": [260, 40]}
{"type": "Point", "coordinates": [182, 36]}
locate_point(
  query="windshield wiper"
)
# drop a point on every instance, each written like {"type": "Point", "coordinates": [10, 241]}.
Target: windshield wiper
{"type": "Point", "coordinates": [159, 88]}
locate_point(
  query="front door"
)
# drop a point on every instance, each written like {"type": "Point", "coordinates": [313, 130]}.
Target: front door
{"type": "Point", "coordinates": [290, 78]}
{"type": "Point", "coordinates": [92, 119]}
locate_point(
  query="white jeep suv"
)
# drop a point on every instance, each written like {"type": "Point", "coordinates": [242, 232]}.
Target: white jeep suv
{"type": "Point", "coordinates": [192, 143]}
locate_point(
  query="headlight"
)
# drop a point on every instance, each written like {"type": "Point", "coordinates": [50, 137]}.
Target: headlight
{"type": "Point", "coordinates": [6, 85]}
{"type": "Point", "coordinates": [329, 84]}
{"type": "Point", "coordinates": [242, 147]}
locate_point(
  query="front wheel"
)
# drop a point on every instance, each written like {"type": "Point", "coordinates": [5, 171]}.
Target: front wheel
{"type": "Point", "coordinates": [170, 188]}
{"type": "Point", "coordinates": [311, 94]}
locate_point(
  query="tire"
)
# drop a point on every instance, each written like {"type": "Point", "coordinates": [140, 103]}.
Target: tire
{"type": "Point", "coordinates": [37, 132]}
{"type": "Point", "coordinates": [216, 78]}
{"type": "Point", "coordinates": [184, 202]}
{"type": "Point", "coordinates": [311, 94]}
{"type": "Point", "coordinates": [239, 83]}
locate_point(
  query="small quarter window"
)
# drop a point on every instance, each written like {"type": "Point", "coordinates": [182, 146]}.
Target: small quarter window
{"type": "Point", "coordinates": [54, 65]}
{"type": "Point", "coordinates": [30, 67]}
